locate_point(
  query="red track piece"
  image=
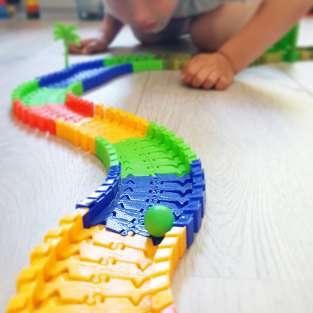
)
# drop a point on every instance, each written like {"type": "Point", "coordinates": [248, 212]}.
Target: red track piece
{"type": "Point", "coordinates": [44, 118]}
{"type": "Point", "coordinates": [79, 105]}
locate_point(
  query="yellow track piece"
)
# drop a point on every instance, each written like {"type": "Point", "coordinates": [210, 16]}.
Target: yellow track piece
{"type": "Point", "coordinates": [112, 124]}
{"type": "Point", "coordinates": [94, 270]}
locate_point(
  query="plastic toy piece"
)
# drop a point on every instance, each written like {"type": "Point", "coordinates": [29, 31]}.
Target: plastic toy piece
{"type": "Point", "coordinates": [159, 219]}
{"type": "Point", "coordinates": [24, 89]}
{"type": "Point", "coordinates": [132, 272]}
{"type": "Point", "coordinates": [123, 59]}
{"type": "Point", "coordinates": [67, 33]}
{"type": "Point", "coordinates": [106, 75]}
{"type": "Point", "coordinates": [124, 211]}
{"type": "Point", "coordinates": [286, 50]}
{"type": "Point", "coordinates": [73, 74]}
{"type": "Point", "coordinates": [148, 65]}
{"type": "Point", "coordinates": [42, 96]}
{"type": "Point", "coordinates": [3, 10]}
{"type": "Point", "coordinates": [176, 61]}
{"type": "Point", "coordinates": [106, 153]}
{"type": "Point", "coordinates": [32, 9]}
{"type": "Point", "coordinates": [93, 269]}
{"type": "Point", "coordinates": [160, 152]}
{"type": "Point", "coordinates": [80, 106]}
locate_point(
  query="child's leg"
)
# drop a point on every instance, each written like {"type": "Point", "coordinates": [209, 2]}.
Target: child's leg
{"type": "Point", "coordinates": [210, 30]}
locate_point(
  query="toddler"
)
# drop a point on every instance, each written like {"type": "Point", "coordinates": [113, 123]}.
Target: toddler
{"type": "Point", "coordinates": [230, 34]}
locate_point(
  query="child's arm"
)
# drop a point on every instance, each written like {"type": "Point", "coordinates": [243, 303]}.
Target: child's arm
{"type": "Point", "coordinates": [109, 29]}
{"type": "Point", "coordinates": [271, 21]}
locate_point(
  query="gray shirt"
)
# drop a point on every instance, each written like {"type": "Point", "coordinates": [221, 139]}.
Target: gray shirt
{"type": "Point", "coordinates": [187, 8]}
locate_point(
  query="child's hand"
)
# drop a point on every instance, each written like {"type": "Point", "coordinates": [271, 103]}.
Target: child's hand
{"type": "Point", "coordinates": [89, 46]}
{"type": "Point", "coordinates": [208, 71]}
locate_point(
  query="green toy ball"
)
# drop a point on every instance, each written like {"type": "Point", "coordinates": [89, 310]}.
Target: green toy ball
{"type": "Point", "coordinates": [159, 219]}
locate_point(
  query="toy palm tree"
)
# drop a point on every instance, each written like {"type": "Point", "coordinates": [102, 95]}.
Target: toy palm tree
{"type": "Point", "coordinates": [68, 34]}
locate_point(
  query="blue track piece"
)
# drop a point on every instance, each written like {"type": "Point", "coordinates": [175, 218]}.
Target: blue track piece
{"type": "Point", "coordinates": [108, 74]}
{"type": "Point", "coordinates": [79, 76]}
{"type": "Point", "coordinates": [186, 220]}
{"type": "Point", "coordinates": [100, 200]}
{"type": "Point", "coordinates": [122, 207]}
{"type": "Point", "coordinates": [57, 77]}
{"type": "Point", "coordinates": [53, 78]}
{"type": "Point", "coordinates": [89, 65]}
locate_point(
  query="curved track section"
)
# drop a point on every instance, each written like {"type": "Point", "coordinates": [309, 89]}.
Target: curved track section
{"type": "Point", "coordinates": [102, 259]}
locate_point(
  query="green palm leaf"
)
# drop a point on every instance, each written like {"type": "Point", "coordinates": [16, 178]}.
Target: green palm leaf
{"type": "Point", "coordinates": [68, 34]}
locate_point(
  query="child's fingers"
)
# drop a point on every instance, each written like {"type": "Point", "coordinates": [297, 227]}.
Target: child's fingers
{"type": "Point", "coordinates": [89, 46]}
{"type": "Point", "coordinates": [190, 72]}
{"type": "Point", "coordinates": [94, 47]}
{"type": "Point", "coordinates": [200, 78]}
{"type": "Point", "coordinates": [75, 49]}
{"type": "Point", "coordinates": [222, 83]}
{"type": "Point", "coordinates": [210, 81]}
{"type": "Point", "coordinates": [79, 48]}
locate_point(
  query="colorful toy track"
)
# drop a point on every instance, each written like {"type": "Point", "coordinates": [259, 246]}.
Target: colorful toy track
{"type": "Point", "coordinates": [102, 259]}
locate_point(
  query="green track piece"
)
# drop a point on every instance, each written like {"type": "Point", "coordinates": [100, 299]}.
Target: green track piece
{"type": "Point", "coordinates": [148, 65]}
{"type": "Point", "coordinates": [306, 53]}
{"type": "Point", "coordinates": [122, 59]}
{"type": "Point", "coordinates": [76, 88]}
{"type": "Point", "coordinates": [270, 57]}
{"type": "Point", "coordinates": [44, 96]}
{"type": "Point", "coordinates": [106, 153]}
{"type": "Point", "coordinates": [288, 41]}
{"type": "Point", "coordinates": [285, 50]}
{"type": "Point", "coordinates": [160, 152]}
{"type": "Point", "coordinates": [169, 138]}
{"type": "Point", "coordinates": [175, 61]}
{"type": "Point", "coordinates": [292, 55]}
{"type": "Point", "coordinates": [21, 91]}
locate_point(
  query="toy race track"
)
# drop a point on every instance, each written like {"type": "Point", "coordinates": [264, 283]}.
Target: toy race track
{"type": "Point", "coordinates": [102, 258]}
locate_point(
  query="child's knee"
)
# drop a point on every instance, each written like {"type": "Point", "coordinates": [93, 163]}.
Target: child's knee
{"type": "Point", "coordinates": [203, 43]}
{"type": "Point", "coordinates": [211, 30]}
{"type": "Point", "coordinates": [204, 38]}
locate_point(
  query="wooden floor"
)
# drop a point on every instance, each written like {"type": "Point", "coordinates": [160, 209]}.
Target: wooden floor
{"type": "Point", "coordinates": [254, 252]}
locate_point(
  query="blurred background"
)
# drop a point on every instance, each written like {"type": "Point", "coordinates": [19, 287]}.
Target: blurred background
{"type": "Point", "coordinates": [34, 9]}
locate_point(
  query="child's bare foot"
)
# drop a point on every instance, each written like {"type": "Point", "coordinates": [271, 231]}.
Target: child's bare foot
{"type": "Point", "coordinates": [208, 71]}
{"type": "Point", "coordinates": [89, 46]}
